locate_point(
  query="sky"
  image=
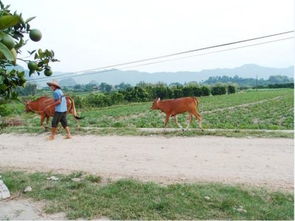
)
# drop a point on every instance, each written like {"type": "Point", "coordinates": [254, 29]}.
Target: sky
{"type": "Point", "coordinates": [90, 34]}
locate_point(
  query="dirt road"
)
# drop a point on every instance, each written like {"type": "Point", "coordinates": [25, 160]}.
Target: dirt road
{"type": "Point", "coordinates": [254, 161]}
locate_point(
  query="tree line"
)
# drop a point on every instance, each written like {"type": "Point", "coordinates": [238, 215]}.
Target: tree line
{"type": "Point", "coordinates": [250, 82]}
{"type": "Point", "coordinates": [147, 92]}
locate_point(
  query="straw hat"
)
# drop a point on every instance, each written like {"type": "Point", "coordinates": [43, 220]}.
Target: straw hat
{"type": "Point", "coordinates": [53, 83]}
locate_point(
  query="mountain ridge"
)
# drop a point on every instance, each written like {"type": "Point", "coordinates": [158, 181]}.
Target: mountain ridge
{"type": "Point", "coordinates": [133, 77]}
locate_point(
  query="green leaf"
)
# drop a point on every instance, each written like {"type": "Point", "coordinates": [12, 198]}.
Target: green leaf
{"type": "Point", "coordinates": [2, 35]}
{"type": "Point", "coordinates": [30, 19]}
{"type": "Point", "coordinates": [7, 21]}
{"type": "Point", "coordinates": [6, 52]}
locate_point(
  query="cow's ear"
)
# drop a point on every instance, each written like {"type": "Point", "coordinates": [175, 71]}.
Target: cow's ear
{"type": "Point", "coordinates": [158, 100]}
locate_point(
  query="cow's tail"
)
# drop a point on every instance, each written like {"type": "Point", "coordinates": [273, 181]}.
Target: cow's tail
{"type": "Point", "coordinates": [74, 109]}
{"type": "Point", "coordinates": [197, 101]}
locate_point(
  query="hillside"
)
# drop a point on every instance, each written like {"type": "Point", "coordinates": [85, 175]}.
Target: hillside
{"type": "Point", "coordinates": [133, 77]}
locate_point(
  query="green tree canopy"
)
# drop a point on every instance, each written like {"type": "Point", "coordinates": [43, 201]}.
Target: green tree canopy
{"type": "Point", "coordinates": [15, 33]}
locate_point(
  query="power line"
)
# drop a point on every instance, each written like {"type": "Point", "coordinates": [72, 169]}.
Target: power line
{"type": "Point", "coordinates": [150, 63]}
{"type": "Point", "coordinates": [190, 51]}
{"type": "Point", "coordinates": [78, 73]}
{"type": "Point", "coordinates": [213, 52]}
{"type": "Point", "coordinates": [156, 62]}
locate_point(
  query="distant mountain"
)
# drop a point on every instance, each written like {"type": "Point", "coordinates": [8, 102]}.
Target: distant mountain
{"type": "Point", "coordinates": [67, 82]}
{"type": "Point", "coordinates": [133, 77]}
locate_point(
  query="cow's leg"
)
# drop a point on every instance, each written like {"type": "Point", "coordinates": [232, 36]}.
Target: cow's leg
{"type": "Point", "coordinates": [42, 121]}
{"type": "Point", "coordinates": [189, 120]}
{"type": "Point", "coordinates": [47, 122]}
{"type": "Point", "coordinates": [176, 121]}
{"type": "Point", "coordinates": [199, 118]}
{"type": "Point", "coordinates": [166, 120]}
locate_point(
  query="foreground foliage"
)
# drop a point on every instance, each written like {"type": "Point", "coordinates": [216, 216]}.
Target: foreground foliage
{"type": "Point", "coordinates": [13, 31]}
{"type": "Point", "coordinates": [130, 199]}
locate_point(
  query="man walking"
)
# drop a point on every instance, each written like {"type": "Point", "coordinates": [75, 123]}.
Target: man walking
{"type": "Point", "coordinates": [60, 114]}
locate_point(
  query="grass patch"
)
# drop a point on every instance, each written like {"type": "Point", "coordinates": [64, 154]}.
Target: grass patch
{"type": "Point", "coordinates": [136, 132]}
{"type": "Point", "coordinates": [130, 199]}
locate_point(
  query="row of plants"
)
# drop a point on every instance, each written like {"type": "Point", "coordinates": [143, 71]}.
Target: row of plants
{"type": "Point", "coordinates": [148, 93]}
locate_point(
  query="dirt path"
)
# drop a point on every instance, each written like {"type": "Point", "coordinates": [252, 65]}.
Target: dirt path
{"type": "Point", "coordinates": [255, 161]}
{"type": "Point", "coordinates": [24, 209]}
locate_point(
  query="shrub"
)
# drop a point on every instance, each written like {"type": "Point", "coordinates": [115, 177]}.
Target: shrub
{"type": "Point", "coordinates": [177, 92]}
{"type": "Point", "coordinates": [205, 91]}
{"type": "Point", "coordinates": [116, 97]}
{"type": "Point", "coordinates": [231, 89]}
{"type": "Point", "coordinates": [4, 110]}
{"type": "Point", "coordinates": [218, 90]}
{"type": "Point", "coordinates": [160, 92]}
{"type": "Point", "coordinates": [97, 100]}
{"type": "Point", "coordinates": [188, 91]}
{"type": "Point", "coordinates": [136, 94]}
{"type": "Point", "coordinates": [79, 101]}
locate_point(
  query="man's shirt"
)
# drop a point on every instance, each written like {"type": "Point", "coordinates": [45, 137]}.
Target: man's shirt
{"type": "Point", "coordinates": [59, 95]}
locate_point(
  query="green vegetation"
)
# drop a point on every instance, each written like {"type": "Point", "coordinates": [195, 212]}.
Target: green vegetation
{"type": "Point", "coordinates": [13, 31]}
{"type": "Point", "coordinates": [270, 109]}
{"type": "Point", "coordinates": [88, 198]}
{"type": "Point", "coordinates": [252, 82]}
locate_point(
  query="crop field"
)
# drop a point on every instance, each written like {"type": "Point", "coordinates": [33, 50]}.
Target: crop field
{"type": "Point", "coordinates": [270, 109]}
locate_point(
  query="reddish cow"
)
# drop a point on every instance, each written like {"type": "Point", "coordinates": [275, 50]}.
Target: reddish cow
{"type": "Point", "coordinates": [172, 107]}
{"type": "Point", "coordinates": [44, 106]}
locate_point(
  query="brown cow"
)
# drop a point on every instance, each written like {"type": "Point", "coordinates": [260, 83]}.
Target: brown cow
{"type": "Point", "coordinates": [172, 107]}
{"type": "Point", "coordinates": [44, 106]}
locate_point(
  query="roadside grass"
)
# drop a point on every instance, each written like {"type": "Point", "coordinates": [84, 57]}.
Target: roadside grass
{"type": "Point", "coordinates": [166, 133]}
{"type": "Point", "coordinates": [274, 111]}
{"type": "Point", "coordinates": [89, 198]}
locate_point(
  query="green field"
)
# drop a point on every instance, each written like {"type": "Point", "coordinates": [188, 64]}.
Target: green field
{"type": "Point", "coordinates": [270, 109]}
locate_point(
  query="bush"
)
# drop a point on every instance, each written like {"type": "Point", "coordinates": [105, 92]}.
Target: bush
{"type": "Point", "coordinates": [218, 90]}
{"type": "Point", "coordinates": [231, 89]}
{"type": "Point", "coordinates": [197, 92]}
{"type": "Point", "coordinates": [4, 110]}
{"type": "Point", "coordinates": [79, 101]}
{"type": "Point", "coordinates": [188, 91]}
{"type": "Point", "coordinates": [136, 94]}
{"type": "Point", "coordinates": [97, 100]}
{"type": "Point", "coordinates": [161, 91]}
{"type": "Point", "coordinates": [116, 97]}
{"type": "Point", "coordinates": [177, 92]}
{"type": "Point", "coordinates": [205, 91]}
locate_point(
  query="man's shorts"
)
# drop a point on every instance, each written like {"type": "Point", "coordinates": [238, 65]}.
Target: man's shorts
{"type": "Point", "coordinates": [59, 117]}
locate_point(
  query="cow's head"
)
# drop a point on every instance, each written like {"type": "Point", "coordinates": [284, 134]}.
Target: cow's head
{"type": "Point", "coordinates": [27, 105]}
{"type": "Point", "coordinates": [155, 105]}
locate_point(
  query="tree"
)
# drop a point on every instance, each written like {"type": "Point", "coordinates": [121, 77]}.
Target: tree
{"type": "Point", "coordinates": [218, 89]}
{"type": "Point", "coordinates": [28, 89]}
{"type": "Point", "coordinates": [13, 30]}
{"type": "Point", "coordinates": [205, 91]}
{"type": "Point", "coordinates": [122, 86]}
{"type": "Point", "coordinates": [104, 87]}
{"type": "Point", "coordinates": [136, 94]}
{"type": "Point", "coordinates": [231, 89]}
